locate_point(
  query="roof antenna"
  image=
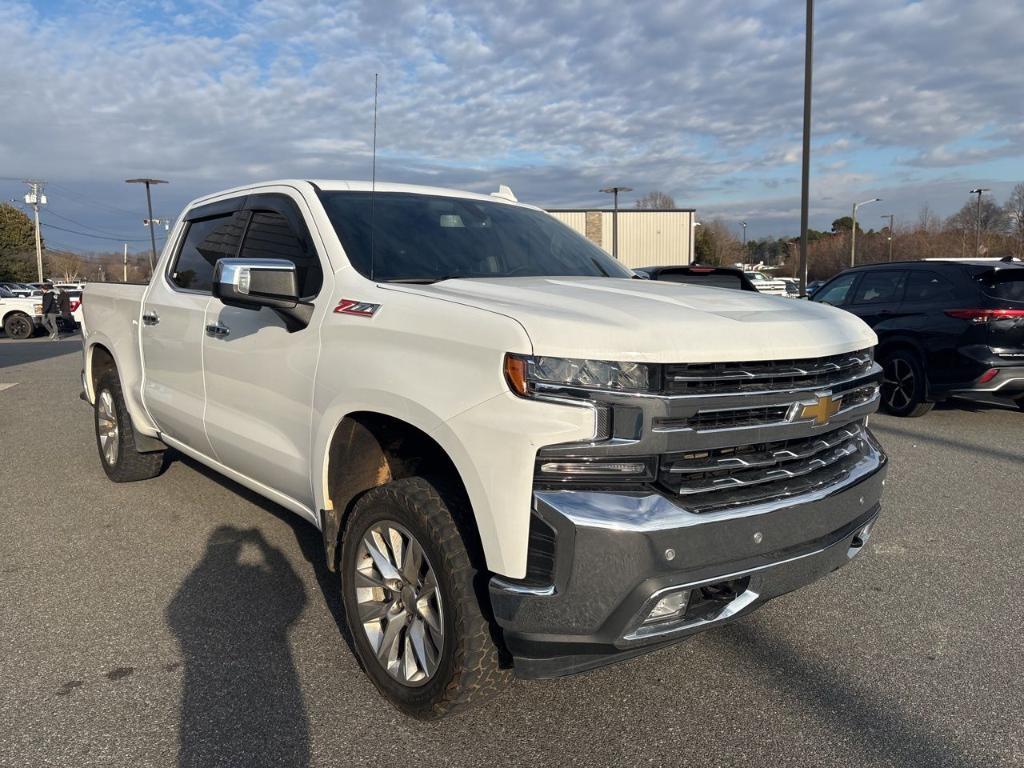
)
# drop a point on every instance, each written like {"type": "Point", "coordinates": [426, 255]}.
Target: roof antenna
{"type": "Point", "coordinates": [373, 169]}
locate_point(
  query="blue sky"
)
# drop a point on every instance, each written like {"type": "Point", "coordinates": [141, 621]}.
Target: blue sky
{"type": "Point", "coordinates": [914, 102]}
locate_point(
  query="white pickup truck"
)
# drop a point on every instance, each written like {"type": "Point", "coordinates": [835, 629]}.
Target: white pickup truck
{"type": "Point", "coordinates": [20, 317]}
{"type": "Point", "coordinates": [522, 459]}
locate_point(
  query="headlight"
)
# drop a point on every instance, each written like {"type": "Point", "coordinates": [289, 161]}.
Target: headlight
{"type": "Point", "coordinates": [524, 372]}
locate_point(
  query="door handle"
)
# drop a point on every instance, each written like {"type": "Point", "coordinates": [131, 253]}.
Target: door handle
{"type": "Point", "coordinates": [217, 330]}
{"type": "Point", "coordinates": [150, 318]}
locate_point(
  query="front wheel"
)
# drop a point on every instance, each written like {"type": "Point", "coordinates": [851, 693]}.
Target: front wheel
{"type": "Point", "coordinates": [904, 386]}
{"type": "Point", "coordinates": [410, 603]}
{"type": "Point", "coordinates": [19, 326]}
{"type": "Point", "coordinates": [115, 436]}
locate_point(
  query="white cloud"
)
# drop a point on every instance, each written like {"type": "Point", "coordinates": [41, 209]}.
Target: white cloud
{"type": "Point", "coordinates": [702, 100]}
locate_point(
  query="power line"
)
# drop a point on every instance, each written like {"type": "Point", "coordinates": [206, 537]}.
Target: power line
{"type": "Point", "coordinates": [98, 237]}
{"type": "Point", "coordinates": [90, 201]}
{"type": "Point", "coordinates": [51, 212]}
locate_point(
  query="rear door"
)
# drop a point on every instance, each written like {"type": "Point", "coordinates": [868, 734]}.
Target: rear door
{"type": "Point", "coordinates": [877, 298]}
{"type": "Point", "coordinates": [259, 377]}
{"type": "Point", "coordinates": [173, 317]}
{"type": "Point", "coordinates": [928, 295]}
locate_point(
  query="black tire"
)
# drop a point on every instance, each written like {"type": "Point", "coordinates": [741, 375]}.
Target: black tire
{"type": "Point", "coordinates": [18, 325]}
{"type": "Point", "coordinates": [123, 463]}
{"type": "Point", "coordinates": [904, 385]}
{"type": "Point", "coordinates": [468, 667]}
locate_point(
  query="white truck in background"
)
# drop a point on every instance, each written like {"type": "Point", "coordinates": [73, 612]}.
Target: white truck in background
{"type": "Point", "coordinates": [20, 317]}
{"type": "Point", "coordinates": [521, 459]}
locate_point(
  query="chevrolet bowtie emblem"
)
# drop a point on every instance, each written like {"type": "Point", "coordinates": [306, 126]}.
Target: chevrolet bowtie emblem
{"type": "Point", "coordinates": [824, 409]}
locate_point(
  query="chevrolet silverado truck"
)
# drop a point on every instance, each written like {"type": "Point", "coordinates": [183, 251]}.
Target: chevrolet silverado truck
{"type": "Point", "coordinates": [522, 459]}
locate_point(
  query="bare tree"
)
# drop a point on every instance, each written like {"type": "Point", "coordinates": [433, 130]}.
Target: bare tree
{"type": "Point", "coordinates": [655, 201]}
{"type": "Point", "coordinates": [1015, 215]}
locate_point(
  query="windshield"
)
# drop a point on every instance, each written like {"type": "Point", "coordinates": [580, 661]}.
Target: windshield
{"type": "Point", "coordinates": [425, 238]}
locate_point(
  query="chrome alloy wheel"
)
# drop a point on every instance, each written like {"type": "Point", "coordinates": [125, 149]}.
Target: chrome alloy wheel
{"type": "Point", "coordinates": [400, 606]}
{"type": "Point", "coordinates": [899, 383]}
{"type": "Point", "coordinates": [106, 426]}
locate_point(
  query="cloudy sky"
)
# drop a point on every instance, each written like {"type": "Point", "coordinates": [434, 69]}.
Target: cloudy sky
{"type": "Point", "coordinates": [914, 102]}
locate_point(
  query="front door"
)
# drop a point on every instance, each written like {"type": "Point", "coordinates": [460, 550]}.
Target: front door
{"type": "Point", "coordinates": [259, 377]}
{"type": "Point", "coordinates": [173, 319]}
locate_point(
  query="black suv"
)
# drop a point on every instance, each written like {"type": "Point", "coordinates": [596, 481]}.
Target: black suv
{"type": "Point", "coordinates": [944, 327]}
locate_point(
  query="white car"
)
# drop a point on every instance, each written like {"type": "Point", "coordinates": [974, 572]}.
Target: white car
{"type": "Point", "coordinates": [19, 317]}
{"type": "Point", "coordinates": [771, 285]}
{"type": "Point", "coordinates": [517, 454]}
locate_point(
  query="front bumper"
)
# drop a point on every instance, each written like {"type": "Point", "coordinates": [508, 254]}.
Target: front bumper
{"type": "Point", "coordinates": [617, 552]}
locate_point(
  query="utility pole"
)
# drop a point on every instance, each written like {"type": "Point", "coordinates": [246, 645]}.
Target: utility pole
{"type": "Point", "coordinates": [805, 175]}
{"type": "Point", "coordinates": [35, 198]}
{"type": "Point", "coordinates": [891, 217]}
{"type": "Point", "coordinates": [977, 239]}
{"type": "Point", "coordinates": [615, 216]}
{"type": "Point", "coordinates": [125, 262]}
{"type": "Point", "coordinates": [853, 229]}
{"type": "Point", "coordinates": [149, 203]}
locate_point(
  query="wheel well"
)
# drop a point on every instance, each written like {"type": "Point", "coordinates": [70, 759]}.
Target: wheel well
{"type": "Point", "coordinates": [100, 362]}
{"type": "Point", "coordinates": [370, 449]}
{"type": "Point", "coordinates": [888, 347]}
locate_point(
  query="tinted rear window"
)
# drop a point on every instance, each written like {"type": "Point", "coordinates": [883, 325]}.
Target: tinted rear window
{"type": "Point", "coordinates": [929, 286]}
{"type": "Point", "coordinates": [1004, 284]}
{"type": "Point", "coordinates": [206, 241]}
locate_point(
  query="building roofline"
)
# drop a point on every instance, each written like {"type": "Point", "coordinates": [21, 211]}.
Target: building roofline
{"type": "Point", "coordinates": [621, 210]}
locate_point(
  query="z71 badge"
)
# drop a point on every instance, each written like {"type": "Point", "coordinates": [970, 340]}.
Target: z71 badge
{"type": "Point", "coordinates": [358, 308]}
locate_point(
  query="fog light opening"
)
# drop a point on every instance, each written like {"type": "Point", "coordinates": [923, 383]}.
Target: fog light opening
{"type": "Point", "coordinates": [671, 606]}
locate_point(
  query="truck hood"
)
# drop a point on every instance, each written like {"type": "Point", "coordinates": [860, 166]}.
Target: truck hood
{"type": "Point", "coordinates": [649, 321]}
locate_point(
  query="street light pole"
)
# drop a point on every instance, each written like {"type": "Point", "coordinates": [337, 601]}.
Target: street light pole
{"type": "Point", "coordinates": [149, 204]}
{"type": "Point", "coordinates": [977, 239]}
{"type": "Point", "coordinates": [853, 229]}
{"type": "Point", "coordinates": [615, 216]}
{"type": "Point", "coordinates": [805, 176]}
{"type": "Point", "coordinates": [891, 217]}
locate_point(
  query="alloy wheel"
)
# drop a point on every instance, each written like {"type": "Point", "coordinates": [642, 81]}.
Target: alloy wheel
{"type": "Point", "coordinates": [400, 608]}
{"type": "Point", "coordinates": [900, 382]}
{"type": "Point", "coordinates": [106, 426]}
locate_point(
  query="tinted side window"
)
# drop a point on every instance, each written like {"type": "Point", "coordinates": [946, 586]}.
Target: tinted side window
{"type": "Point", "coordinates": [835, 293]}
{"type": "Point", "coordinates": [270, 236]}
{"type": "Point", "coordinates": [880, 287]}
{"type": "Point", "coordinates": [206, 241]}
{"type": "Point", "coordinates": [929, 286]}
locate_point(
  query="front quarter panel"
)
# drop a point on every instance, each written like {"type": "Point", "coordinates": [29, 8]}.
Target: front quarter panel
{"type": "Point", "coordinates": [438, 365]}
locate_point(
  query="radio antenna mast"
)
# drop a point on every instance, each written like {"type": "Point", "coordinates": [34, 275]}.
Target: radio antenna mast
{"type": "Point", "coordinates": [373, 168]}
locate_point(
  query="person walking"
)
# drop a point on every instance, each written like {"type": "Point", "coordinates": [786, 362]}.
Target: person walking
{"type": "Point", "coordinates": [51, 311]}
{"type": "Point", "coordinates": [64, 302]}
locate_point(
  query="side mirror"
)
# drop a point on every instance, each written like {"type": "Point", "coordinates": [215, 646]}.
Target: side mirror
{"type": "Point", "coordinates": [256, 283]}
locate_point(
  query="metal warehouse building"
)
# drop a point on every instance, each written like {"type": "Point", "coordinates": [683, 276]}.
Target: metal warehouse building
{"type": "Point", "coordinates": [646, 238]}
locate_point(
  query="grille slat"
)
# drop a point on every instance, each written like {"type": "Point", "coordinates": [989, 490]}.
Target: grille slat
{"type": "Point", "coordinates": [745, 474]}
{"type": "Point", "coordinates": [764, 376]}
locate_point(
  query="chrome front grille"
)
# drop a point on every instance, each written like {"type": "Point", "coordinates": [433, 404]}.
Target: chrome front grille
{"type": "Point", "coordinates": [765, 376]}
{"type": "Point", "coordinates": [746, 474]}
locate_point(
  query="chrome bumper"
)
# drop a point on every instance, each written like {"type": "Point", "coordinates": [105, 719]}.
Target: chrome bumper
{"type": "Point", "coordinates": [616, 552]}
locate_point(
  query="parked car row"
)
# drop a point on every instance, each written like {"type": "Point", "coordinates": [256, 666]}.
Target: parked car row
{"type": "Point", "coordinates": [21, 312]}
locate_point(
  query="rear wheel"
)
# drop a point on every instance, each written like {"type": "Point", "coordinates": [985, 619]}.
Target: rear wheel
{"type": "Point", "coordinates": [19, 326]}
{"type": "Point", "coordinates": [410, 602]}
{"type": "Point", "coordinates": [904, 386]}
{"type": "Point", "coordinates": [115, 436]}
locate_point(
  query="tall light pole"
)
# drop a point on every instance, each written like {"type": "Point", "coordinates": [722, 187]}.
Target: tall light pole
{"type": "Point", "coordinates": [977, 239]}
{"type": "Point", "coordinates": [149, 203]}
{"type": "Point", "coordinates": [891, 217]}
{"type": "Point", "coordinates": [615, 215]}
{"type": "Point", "coordinates": [853, 229]}
{"type": "Point", "coordinates": [805, 174]}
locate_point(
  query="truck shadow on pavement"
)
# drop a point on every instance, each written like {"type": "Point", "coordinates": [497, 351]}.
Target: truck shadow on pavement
{"type": "Point", "coordinates": [20, 352]}
{"type": "Point", "coordinates": [241, 700]}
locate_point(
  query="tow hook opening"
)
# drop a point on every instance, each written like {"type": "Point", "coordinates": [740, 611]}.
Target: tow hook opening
{"type": "Point", "coordinates": [860, 538]}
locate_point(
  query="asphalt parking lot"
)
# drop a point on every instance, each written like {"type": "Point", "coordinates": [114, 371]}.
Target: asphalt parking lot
{"type": "Point", "coordinates": [186, 621]}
